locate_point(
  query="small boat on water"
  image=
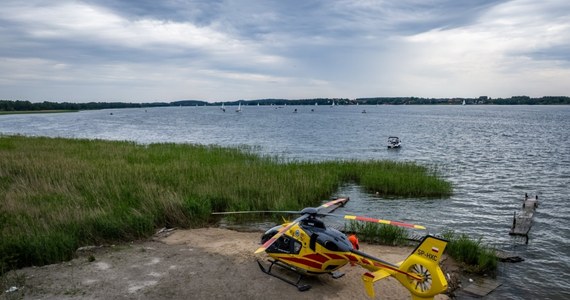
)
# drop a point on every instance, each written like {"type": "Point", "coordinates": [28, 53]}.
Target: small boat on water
{"type": "Point", "coordinates": [394, 142]}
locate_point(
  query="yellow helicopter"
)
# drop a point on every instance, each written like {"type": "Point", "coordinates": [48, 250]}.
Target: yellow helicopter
{"type": "Point", "coordinates": [308, 247]}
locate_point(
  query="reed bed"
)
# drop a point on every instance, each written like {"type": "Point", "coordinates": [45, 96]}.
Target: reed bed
{"type": "Point", "coordinates": [475, 257]}
{"type": "Point", "coordinates": [59, 194]}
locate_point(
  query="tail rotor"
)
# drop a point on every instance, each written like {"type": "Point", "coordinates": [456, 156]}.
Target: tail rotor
{"type": "Point", "coordinates": [424, 264]}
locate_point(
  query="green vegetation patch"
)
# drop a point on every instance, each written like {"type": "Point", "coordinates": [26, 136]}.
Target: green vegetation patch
{"type": "Point", "coordinates": [475, 257]}
{"type": "Point", "coordinates": [379, 233]}
{"type": "Point", "coordinates": [59, 194]}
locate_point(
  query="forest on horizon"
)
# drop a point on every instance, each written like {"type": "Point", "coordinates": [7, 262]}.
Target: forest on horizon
{"type": "Point", "coordinates": [24, 105]}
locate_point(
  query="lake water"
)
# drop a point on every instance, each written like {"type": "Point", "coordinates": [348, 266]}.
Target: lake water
{"type": "Point", "coordinates": [493, 155]}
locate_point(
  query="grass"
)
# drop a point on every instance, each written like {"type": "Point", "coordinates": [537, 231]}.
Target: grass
{"type": "Point", "coordinates": [378, 233]}
{"type": "Point", "coordinates": [475, 257]}
{"type": "Point", "coordinates": [60, 194]}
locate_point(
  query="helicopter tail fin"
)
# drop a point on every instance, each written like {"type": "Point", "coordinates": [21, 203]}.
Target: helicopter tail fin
{"type": "Point", "coordinates": [424, 263]}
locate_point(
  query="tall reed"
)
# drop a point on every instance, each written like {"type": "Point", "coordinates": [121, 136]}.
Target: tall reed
{"type": "Point", "coordinates": [476, 257]}
{"type": "Point", "coordinates": [59, 194]}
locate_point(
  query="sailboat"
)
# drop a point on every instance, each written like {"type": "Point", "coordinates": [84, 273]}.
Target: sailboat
{"type": "Point", "coordinates": [239, 108]}
{"type": "Point", "coordinates": [463, 102]}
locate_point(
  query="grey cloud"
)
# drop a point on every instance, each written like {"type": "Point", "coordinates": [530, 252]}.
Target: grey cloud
{"type": "Point", "coordinates": [200, 12]}
{"type": "Point", "coordinates": [557, 53]}
{"type": "Point", "coordinates": [339, 43]}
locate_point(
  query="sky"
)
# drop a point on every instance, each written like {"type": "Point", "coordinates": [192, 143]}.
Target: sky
{"type": "Point", "coordinates": [223, 50]}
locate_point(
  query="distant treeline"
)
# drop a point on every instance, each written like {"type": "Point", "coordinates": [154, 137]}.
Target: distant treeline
{"type": "Point", "coordinates": [515, 100]}
{"type": "Point", "coordinates": [19, 105]}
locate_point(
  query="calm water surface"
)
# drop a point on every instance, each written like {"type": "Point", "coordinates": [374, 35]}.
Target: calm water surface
{"type": "Point", "coordinates": [493, 155]}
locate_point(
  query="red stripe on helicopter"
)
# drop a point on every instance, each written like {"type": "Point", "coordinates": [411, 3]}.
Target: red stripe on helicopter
{"type": "Point", "coordinates": [372, 220]}
{"type": "Point", "coordinates": [302, 261]}
{"type": "Point", "coordinates": [334, 256]}
{"type": "Point", "coordinates": [401, 224]}
{"type": "Point", "coordinates": [366, 219]}
{"type": "Point", "coordinates": [415, 276]}
{"type": "Point", "coordinates": [368, 275]}
{"type": "Point", "coordinates": [269, 242]}
{"type": "Point", "coordinates": [387, 267]}
{"type": "Point", "coordinates": [365, 261]}
{"type": "Point", "coordinates": [317, 257]}
{"type": "Point", "coordinates": [351, 257]}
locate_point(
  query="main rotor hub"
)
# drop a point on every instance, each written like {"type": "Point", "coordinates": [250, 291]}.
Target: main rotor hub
{"type": "Point", "coordinates": [309, 211]}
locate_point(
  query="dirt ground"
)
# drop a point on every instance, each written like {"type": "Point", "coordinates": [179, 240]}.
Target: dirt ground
{"type": "Point", "coordinates": [207, 263]}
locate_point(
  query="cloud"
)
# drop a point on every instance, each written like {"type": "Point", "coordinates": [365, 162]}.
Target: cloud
{"type": "Point", "coordinates": [113, 48]}
{"type": "Point", "coordinates": [499, 53]}
{"type": "Point", "coordinates": [79, 24]}
{"type": "Point", "coordinates": [266, 49]}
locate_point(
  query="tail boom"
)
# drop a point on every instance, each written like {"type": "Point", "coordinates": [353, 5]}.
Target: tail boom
{"type": "Point", "coordinates": [419, 272]}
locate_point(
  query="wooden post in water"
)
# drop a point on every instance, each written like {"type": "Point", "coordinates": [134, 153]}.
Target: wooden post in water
{"type": "Point", "coordinates": [514, 221]}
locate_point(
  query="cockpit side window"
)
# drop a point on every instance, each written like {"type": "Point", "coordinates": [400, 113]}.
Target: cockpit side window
{"type": "Point", "coordinates": [330, 245]}
{"type": "Point", "coordinates": [296, 247]}
{"type": "Point", "coordinates": [286, 244]}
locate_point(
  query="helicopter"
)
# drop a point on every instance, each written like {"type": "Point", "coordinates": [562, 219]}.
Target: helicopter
{"type": "Point", "coordinates": [308, 247]}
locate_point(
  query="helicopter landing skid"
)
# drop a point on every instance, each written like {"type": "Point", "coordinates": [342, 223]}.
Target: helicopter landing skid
{"type": "Point", "coordinates": [300, 287]}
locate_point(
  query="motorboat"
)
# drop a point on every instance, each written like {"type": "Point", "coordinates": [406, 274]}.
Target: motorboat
{"type": "Point", "coordinates": [394, 142]}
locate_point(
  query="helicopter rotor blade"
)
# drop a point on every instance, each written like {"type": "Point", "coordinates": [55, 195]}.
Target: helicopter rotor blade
{"type": "Point", "coordinates": [257, 212]}
{"type": "Point", "coordinates": [388, 222]}
{"type": "Point", "coordinates": [373, 220]}
{"type": "Point", "coordinates": [281, 231]}
{"type": "Point", "coordinates": [339, 201]}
